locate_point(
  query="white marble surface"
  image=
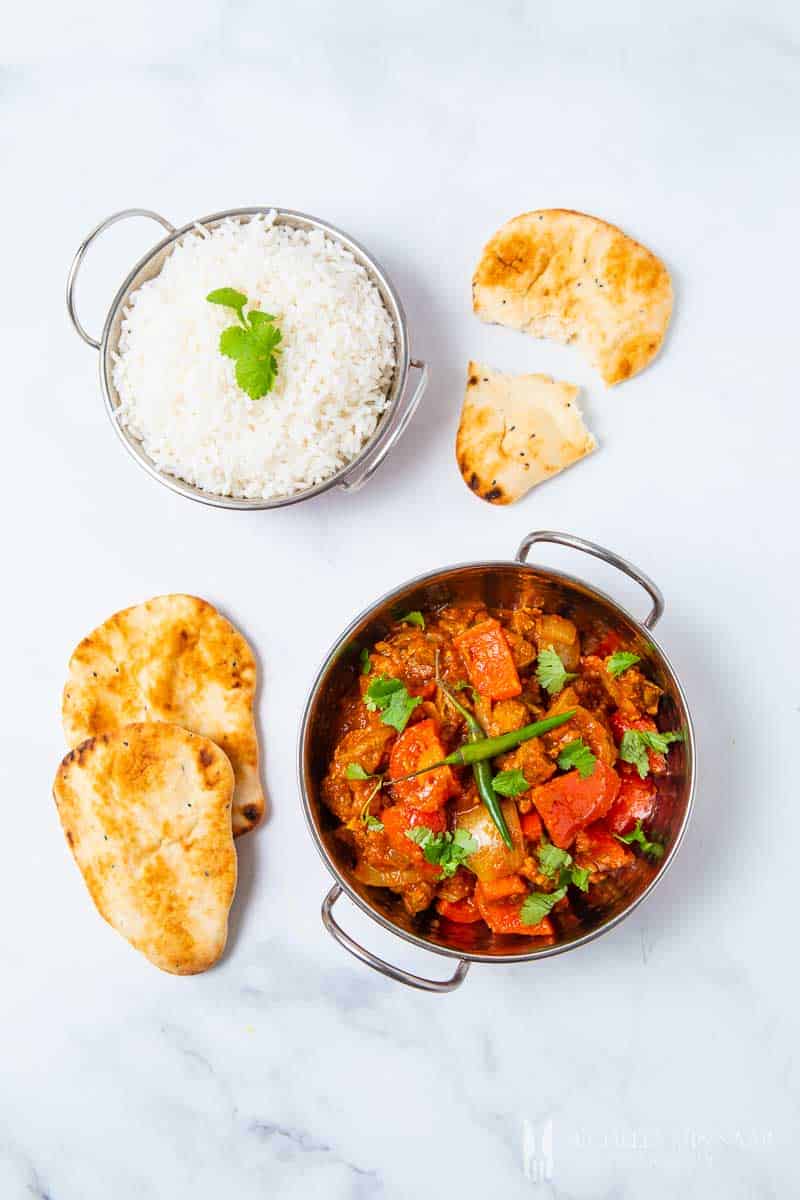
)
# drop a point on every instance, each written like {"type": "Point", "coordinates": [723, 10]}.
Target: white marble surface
{"type": "Point", "coordinates": [662, 1059]}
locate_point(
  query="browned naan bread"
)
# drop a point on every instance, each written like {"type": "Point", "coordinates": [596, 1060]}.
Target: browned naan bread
{"type": "Point", "coordinates": [147, 814]}
{"type": "Point", "coordinates": [176, 659]}
{"type": "Point", "coordinates": [516, 431]}
{"type": "Point", "coordinates": [571, 277]}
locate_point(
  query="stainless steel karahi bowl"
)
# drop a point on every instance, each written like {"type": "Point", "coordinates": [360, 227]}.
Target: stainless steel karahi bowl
{"type": "Point", "coordinates": [403, 398]}
{"type": "Point", "coordinates": [497, 584]}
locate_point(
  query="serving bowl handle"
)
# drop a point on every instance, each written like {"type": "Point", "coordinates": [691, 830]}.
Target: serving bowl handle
{"type": "Point", "coordinates": [84, 246]}
{"type": "Point", "coordinates": [608, 556]}
{"type": "Point", "coordinates": [378, 964]}
{"type": "Point", "coordinates": [395, 430]}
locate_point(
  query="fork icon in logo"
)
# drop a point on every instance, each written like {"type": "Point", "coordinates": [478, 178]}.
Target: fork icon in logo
{"type": "Point", "coordinates": [537, 1150]}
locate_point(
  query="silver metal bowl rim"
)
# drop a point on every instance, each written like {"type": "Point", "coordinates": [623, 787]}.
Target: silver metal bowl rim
{"type": "Point", "coordinates": [187, 490]}
{"type": "Point", "coordinates": [422, 943]}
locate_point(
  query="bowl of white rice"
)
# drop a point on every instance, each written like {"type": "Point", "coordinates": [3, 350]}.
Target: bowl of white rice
{"type": "Point", "coordinates": [342, 395]}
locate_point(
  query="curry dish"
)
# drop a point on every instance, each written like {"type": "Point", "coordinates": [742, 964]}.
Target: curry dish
{"type": "Point", "coordinates": [496, 766]}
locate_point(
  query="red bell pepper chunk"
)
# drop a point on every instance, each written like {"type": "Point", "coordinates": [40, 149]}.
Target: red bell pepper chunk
{"type": "Point", "coordinates": [463, 912]}
{"type": "Point", "coordinates": [503, 916]}
{"type": "Point", "coordinates": [532, 827]}
{"type": "Point", "coordinates": [424, 690]}
{"type": "Point", "coordinates": [620, 725]}
{"type": "Point", "coordinates": [635, 801]}
{"type": "Point", "coordinates": [489, 662]}
{"type": "Point", "coordinates": [597, 848]}
{"type": "Point", "coordinates": [568, 803]}
{"type": "Point", "coordinates": [398, 819]}
{"type": "Point", "coordinates": [418, 746]}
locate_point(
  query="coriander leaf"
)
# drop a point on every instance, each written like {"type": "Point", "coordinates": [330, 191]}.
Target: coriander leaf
{"type": "Point", "coordinates": [636, 742]}
{"type": "Point", "coordinates": [256, 318]}
{"type": "Point", "coordinates": [633, 750]}
{"type": "Point", "coordinates": [577, 754]}
{"type": "Point", "coordinates": [364, 659]}
{"type": "Point", "coordinates": [399, 709]}
{"type": "Point", "coordinates": [255, 374]}
{"type": "Point", "coordinates": [448, 851]}
{"type": "Point", "coordinates": [580, 877]}
{"type": "Point", "coordinates": [356, 771]}
{"type": "Point", "coordinates": [537, 905]}
{"type": "Point", "coordinates": [229, 298]}
{"type": "Point", "coordinates": [379, 692]}
{"type": "Point", "coordinates": [660, 742]}
{"type": "Point", "coordinates": [553, 859]}
{"type": "Point", "coordinates": [373, 824]}
{"type": "Point", "coordinates": [254, 344]}
{"type": "Point", "coordinates": [256, 362]}
{"type": "Point", "coordinates": [511, 783]}
{"type": "Point", "coordinates": [413, 618]}
{"type": "Point", "coordinates": [557, 862]}
{"type": "Point", "coordinates": [392, 698]}
{"type": "Point", "coordinates": [637, 837]}
{"type": "Point", "coordinates": [620, 661]}
{"type": "Point", "coordinates": [232, 341]}
{"type": "Point", "coordinates": [551, 673]}
{"type": "Point", "coordinates": [465, 841]}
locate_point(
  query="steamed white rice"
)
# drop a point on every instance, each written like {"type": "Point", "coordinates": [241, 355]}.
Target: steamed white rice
{"type": "Point", "coordinates": [179, 396]}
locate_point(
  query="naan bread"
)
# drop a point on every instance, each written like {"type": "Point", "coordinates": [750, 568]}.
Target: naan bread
{"type": "Point", "coordinates": [516, 431]}
{"type": "Point", "coordinates": [176, 659]}
{"type": "Point", "coordinates": [147, 814]}
{"type": "Point", "coordinates": [570, 277]}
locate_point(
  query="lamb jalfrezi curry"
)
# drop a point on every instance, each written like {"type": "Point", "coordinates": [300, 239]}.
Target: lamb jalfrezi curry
{"type": "Point", "coordinates": [490, 764]}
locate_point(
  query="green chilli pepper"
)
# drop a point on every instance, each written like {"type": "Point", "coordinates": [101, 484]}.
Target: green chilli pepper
{"type": "Point", "coordinates": [482, 770]}
{"type": "Point", "coordinates": [490, 747]}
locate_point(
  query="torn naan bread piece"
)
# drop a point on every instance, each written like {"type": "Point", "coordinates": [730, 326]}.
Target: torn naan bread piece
{"type": "Point", "coordinates": [175, 659]}
{"type": "Point", "coordinates": [571, 277]}
{"type": "Point", "coordinates": [147, 814]}
{"type": "Point", "coordinates": [516, 431]}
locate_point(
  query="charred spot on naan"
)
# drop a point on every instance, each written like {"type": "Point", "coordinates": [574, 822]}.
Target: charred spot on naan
{"type": "Point", "coordinates": [147, 814]}
{"type": "Point", "coordinates": [174, 658]}
{"type": "Point", "coordinates": [568, 276]}
{"type": "Point", "coordinates": [516, 431]}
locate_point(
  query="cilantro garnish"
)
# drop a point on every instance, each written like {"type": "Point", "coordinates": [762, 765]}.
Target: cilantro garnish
{"type": "Point", "coordinates": [511, 783]}
{"type": "Point", "coordinates": [537, 905]}
{"type": "Point", "coordinates": [636, 742]}
{"type": "Point", "coordinates": [620, 661]}
{"type": "Point", "coordinates": [372, 823]}
{"type": "Point", "coordinates": [551, 673]}
{"type": "Point", "coordinates": [413, 618]}
{"type": "Point", "coordinates": [228, 298]}
{"type": "Point", "coordinates": [580, 878]}
{"type": "Point", "coordinates": [449, 851]}
{"type": "Point", "coordinates": [356, 771]}
{"type": "Point", "coordinates": [392, 698]}
{"type": "Point", "coordinates": [577, 754]}
{"type": "Point", "coordinates": [364, 660]}
{"type": "Point", "coordinates": [552, 859]}
{"type": "Point", "coordinates": [637, 837]}
{"type": "Point", "coordinates": [379, 692]}
{"type": "Point", "coordinates": [253, 343]}
{"type": "Point", "coordinates": [558, 863]}
{"type": "Point", "coordinates": [399, 709]}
